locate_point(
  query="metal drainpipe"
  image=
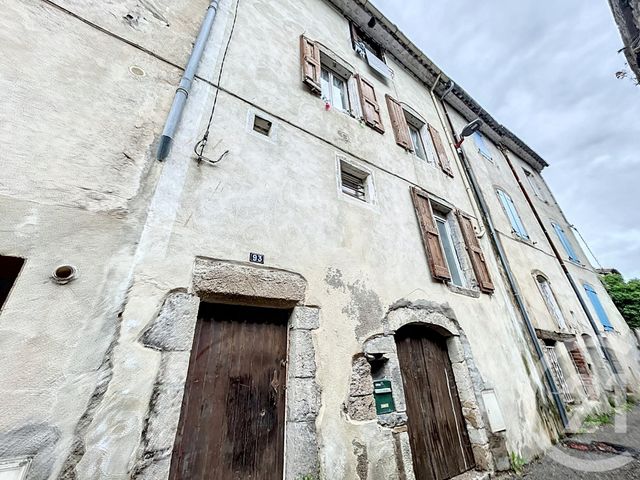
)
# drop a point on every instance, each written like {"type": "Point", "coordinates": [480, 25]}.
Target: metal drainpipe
{"type": "Point", "coordinates": [510, 278]}
{"type": "Point", "coordinates": [565, 269]}
{"type": "Point", "coordinates": [182, 92]}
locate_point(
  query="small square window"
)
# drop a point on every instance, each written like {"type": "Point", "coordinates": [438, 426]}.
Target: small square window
{"type": "Point", "coordinates": [262, 125]}
{"type": "Point", "coordinates": [353, 181]}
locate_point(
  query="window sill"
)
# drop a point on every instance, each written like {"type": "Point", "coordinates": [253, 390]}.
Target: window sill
{"type": "Point", "coordinates": [467, 292]}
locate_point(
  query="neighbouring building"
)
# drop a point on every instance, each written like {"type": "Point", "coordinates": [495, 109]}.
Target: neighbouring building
{"type": "Point", "coordinates": [627, 15]}
{"type": "Point", "coordinates": [317, 280]}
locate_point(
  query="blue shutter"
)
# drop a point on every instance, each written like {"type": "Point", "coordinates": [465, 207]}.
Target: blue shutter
{"type": "Point", "coordinates": [482, 146]}
{"type": "Point", "coordinates": [595, 301]}
{"type": "Point", "coordinates": [512, 214]}
{"type": "Point", "coordinates": [565, 243]}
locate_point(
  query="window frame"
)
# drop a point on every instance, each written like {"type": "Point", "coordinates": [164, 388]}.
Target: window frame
{"type": "Point", "coordinates": [330, 100]}
{"type": "Point", "coordinates": [418, 144]}
{"type": "Point", "coordinates": [550, 300]}
{"type": "Point", "coordinates": [535, 186]}
{"type": "Point", "coordinates": [598, 307]}
{"type": "Point", "coordinates": [358, 35]}
{"type": "Point", "coordinates": [449, 248]}
{"type": "Point", "coordinates": [566, 243]}
{"type": "Point", "coordinates": [481, 145]}
{"type": "Point", "coordinates": [517, 225]}
{"type": "Point", "coordinates": [365, 175]}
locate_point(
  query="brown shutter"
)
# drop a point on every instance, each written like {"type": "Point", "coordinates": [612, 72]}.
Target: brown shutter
{"type": "Point", "coordinates": [475, 253]}
{"type": "Point", "coordinates": [445, 164]}
{"type": "Point", "coordinates": [399, 123]}
{"type": "Point", "coordinates": [370, 107]}
{"type": "Point", "coordinates": [430, 235]}
{"type": "Point", "coordinates": [310, 61]}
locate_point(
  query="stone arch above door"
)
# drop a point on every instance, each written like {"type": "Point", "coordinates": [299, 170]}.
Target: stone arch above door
{"type": "Point", "coordinates": [381, 349]}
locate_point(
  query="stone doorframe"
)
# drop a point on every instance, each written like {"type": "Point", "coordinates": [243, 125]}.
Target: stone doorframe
{"type": "Point", "coordinates": [381, 349]}
{"type": "Point", "coordinates": [171, 333]}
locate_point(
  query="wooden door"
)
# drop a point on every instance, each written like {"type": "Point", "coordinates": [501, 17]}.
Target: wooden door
{"type": "Point", "coordinates": [437, 433]}
{"type": "Point", "coordinates": [232, 421]}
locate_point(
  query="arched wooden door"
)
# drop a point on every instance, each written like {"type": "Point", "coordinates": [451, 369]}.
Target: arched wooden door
{"type": "Point", "coordinates": [438, 436]}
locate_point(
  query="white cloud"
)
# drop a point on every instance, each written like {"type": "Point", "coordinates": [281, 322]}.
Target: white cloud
{"type": "Point", "coordinates": [546, 69]}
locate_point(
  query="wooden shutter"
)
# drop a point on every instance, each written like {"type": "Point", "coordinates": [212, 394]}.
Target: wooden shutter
{"type": "Point", "coordinates": [399, 123]}
{"type": "Point", "coordinates": [430, 236]}
{"type": "Point", "coordinates": [445, 164]}
{"type": "Point", "coordinates": [475, 253]}
{"type": "Point", "coordinates": [310, 62]}
{"type": "Point", "coordinates": [369, 102]}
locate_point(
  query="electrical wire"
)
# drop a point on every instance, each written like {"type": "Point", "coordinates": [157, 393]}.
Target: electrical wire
{"type": "Point", "coordinates": [199, 147]}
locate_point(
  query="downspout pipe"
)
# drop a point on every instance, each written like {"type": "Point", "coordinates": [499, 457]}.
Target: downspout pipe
{"type": "Point", "coordinates": [565, 269]}
{"type": "Point", "coordinates": [184, 87]}
{"type": "Point", "coordinates": [510, 277]}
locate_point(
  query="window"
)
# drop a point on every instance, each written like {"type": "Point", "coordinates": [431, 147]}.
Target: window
{"type": "Point", "coordinates": [556, 371]}
{"type": "Point", "coordinates": [353, 182]}
{"type": "Point", "coordinates": [450, 254]}
{"type": "Point", "coordinates": [442, 254]}
{"type": "Point", "coordinates": [261, 125]}
{"type": "Point", "coordinates": [535, 186]}
{"type": "Point", "coordinates": [416, 141]}
{"type": "Point", "coordinates": [9, 270]}
{"type": "Point", "coordinates": [370, 50]}
{"type": "Point", "coordinates": [597, 306]}
{"type": "Point", "coordinates": [565, 242]}
{"type": "Point", "coordinates": [510, 209]}
{"type": "Point", "coordinates": [550, 300]}
{"type": "Point", "coordinates": [334, 89]}
{"type": "Point", "coordinates": [482, 146]}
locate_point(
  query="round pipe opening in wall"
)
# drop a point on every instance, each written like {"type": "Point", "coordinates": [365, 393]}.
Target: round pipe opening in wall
{"type": "Point", "coordinates": [64, 274]}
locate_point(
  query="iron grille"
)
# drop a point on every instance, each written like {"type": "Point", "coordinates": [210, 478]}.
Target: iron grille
{"type": "Point", "coordinates": [558, 376]}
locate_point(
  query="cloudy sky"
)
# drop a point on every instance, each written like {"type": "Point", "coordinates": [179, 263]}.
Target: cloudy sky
{"type": "Point", "coordinates": [546, 70]}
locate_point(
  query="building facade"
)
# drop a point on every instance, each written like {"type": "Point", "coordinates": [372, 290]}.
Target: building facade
{"type": "Point", "coordinates": [317, 281]}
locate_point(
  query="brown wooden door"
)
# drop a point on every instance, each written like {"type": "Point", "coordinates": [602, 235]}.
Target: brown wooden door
{"type": "Point", "coordinates": [232, 421]}
{"type": "Point", "coordinates": [437, 433]}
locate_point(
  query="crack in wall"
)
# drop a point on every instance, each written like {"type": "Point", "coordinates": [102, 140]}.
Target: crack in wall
{"type": "Point", "coordinates": [68, 471]}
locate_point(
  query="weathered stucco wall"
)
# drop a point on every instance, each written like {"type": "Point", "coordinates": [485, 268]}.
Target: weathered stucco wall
{"type": "Point", "coordinates": [89, 365]}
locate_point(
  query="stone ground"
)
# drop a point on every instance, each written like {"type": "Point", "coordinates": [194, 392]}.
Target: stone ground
{"type": "Point", "coordinates": [562, 462]}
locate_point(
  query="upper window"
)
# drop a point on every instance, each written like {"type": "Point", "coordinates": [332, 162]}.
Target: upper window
{"type": "Point", "coordinates": [550, 300]}
{"type": "Point", "coordinates": [370, 50]}
{"type": "Point", "coordinates": [565, 242]}
{"type": "Point", "coordinates": [326, 77]}
{"type": "Point", "coordinates": [534, 184]}
{"type": "Point", "coordinates": [597, 306]}
{"type": "Point", "coordinates": [9, 270]}
{"type": "Point", "coordinates": [334, 89]}
{"type": "Point", "coordinates": [362, 42]}
{"type": "Point", "coordinates": [510, 209]}
{"type": "Point", "coordinates": [482, 145]}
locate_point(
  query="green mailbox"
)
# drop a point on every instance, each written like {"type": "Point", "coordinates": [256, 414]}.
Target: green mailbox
{"type": "Point", "coordinates": [383, 396]}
